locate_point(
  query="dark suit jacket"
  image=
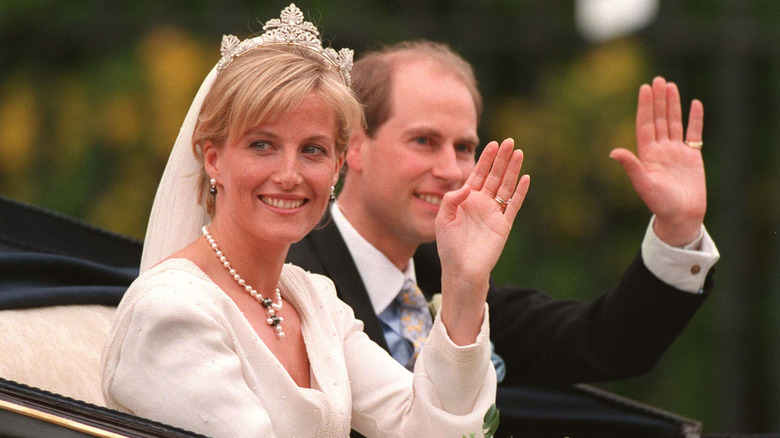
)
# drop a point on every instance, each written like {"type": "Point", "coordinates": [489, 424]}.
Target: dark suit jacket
{"type": "Point", "coordinates": [622, 333]}
{"type": "Point", "coordinates": [48, 259]}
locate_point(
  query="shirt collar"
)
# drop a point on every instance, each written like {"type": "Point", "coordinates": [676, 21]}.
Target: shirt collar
{"type": "Point", "coordinates": [383, 280]}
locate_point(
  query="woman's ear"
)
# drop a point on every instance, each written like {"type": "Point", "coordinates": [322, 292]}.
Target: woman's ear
{"type": "Point", "coordinates": [210, 156]}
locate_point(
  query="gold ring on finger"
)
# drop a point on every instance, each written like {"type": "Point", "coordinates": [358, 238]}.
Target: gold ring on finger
{"type": "Point", "coordinates": [694, 144]}
{"type": "Point", "coordinates": [501, 202]}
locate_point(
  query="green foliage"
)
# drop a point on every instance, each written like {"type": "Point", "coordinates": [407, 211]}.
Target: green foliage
{"type": "Point", "coordinates": [491, 421]}
{"type": "Point", "coordinates": [490, 424]}
{"type": "Point", "coordinates": [584, 108]}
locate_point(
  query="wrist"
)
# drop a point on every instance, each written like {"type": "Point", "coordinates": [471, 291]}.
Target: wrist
{"type": "Point", "coordinates": [462, 311]}
{"type": "Point", "coordinates": [677, 233]}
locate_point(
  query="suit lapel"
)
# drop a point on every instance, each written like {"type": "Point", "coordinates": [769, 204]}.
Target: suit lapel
{"type": "Point", "coordinates": [427, 267]}
{"type": "Point", "coordinates": [330, 250]}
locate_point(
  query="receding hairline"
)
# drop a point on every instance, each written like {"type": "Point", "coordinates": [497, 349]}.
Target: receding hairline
{"type": "Point", "coordinates": [410, 57]}
{"type": "Point", "coordinates": [439, 58]}
{"type": "Point", "coordinates": [428, 65]}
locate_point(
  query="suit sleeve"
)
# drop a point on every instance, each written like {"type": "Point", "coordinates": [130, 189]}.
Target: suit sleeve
{"type": "Point", "coordinates": [623, 333]}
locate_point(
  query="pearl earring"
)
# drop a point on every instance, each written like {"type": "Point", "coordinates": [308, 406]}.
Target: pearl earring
{"type": "Point", "coordinates": [332, 193]}
{"type": "Point", "coordinates": [213, 188]}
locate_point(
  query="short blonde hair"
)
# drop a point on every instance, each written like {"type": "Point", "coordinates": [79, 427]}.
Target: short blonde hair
{"type": "Point", "coordinates": [264, 84]}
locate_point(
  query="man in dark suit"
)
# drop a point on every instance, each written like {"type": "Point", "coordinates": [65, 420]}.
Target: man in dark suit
{"type": "Point", "coordinates": [422, 110]}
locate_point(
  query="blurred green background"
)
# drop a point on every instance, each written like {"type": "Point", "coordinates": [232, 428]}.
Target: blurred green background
{"type": "Point", "coordinates": [92, 94]}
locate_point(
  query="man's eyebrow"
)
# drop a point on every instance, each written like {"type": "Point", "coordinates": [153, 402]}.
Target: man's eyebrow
{"type": "Point", "coordinates": [471, 140]}
{"type": "Point", "coordinates": [423, 130]}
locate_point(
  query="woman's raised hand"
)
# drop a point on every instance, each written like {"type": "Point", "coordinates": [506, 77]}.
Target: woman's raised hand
{"type": "Point", "coordinates": [472, 226]}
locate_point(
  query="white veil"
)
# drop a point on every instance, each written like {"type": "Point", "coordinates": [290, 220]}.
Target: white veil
{"type": "Point", "coordinates": [176, 216]}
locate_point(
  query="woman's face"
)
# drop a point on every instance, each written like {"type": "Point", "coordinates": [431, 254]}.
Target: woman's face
{"type": "Point", "coordinates": [274, 181]}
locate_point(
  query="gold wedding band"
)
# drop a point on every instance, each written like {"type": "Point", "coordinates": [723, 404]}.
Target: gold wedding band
{"type": "Point", "coordinates": [694, 144]}
{"type": "Point", "coordinates": [501, 202]}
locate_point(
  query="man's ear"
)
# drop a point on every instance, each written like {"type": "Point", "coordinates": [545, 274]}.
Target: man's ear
{"type": "Point", "coordinates": [358, 146]}
{"type": "Point", "coordinates": [210, 156]}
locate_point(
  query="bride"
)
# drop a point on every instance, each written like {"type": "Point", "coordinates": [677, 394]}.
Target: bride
{"type": "Point", "coordinates": [219, 336]}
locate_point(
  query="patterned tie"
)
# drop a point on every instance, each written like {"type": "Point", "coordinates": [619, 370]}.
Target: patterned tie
{"type": "Point", "coordinates": [416, 319]}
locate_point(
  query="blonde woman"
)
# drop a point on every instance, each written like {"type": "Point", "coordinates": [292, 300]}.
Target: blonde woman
{"type": "Point", "coordinates": [219, 336]}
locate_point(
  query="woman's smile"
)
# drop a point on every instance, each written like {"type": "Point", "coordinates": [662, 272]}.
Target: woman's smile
{"type": "Point", "coordinates": [283, 203]}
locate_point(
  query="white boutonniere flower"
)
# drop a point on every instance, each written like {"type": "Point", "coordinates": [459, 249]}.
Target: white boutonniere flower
{"type": "Point", "coordinates": [434, 305]}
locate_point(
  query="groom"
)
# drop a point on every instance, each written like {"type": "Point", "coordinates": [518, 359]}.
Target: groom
{"type": "Point", "coordinates": [422, 109]}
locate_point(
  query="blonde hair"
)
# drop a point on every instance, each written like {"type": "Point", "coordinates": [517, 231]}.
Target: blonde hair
{"type": "Point", "coordinates": [265, 84]}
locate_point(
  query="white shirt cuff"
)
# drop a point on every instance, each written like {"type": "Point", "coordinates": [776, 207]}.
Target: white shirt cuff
{"type": "Point", "coordinates": [682, 268]}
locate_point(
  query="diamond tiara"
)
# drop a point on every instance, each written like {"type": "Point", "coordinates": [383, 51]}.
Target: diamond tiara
{"type": "Point", "coordinates": [288, 29]}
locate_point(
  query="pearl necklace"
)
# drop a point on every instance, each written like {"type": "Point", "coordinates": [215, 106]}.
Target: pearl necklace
{"type": "Point", "coordinates": [270, 307]}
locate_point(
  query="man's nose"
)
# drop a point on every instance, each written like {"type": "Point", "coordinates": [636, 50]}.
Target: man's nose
{"type": "Point", "coordinates": [446, 166]}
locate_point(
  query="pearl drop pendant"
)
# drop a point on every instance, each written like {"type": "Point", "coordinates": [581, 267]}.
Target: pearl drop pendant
{"type": "Point", "coordinates": [268, 304]}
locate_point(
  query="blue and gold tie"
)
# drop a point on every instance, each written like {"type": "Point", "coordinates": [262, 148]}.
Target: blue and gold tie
{"type": "Point", "coordinates": [416, 319]}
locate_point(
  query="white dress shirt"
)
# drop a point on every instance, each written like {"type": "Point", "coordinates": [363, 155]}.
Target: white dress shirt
{"type": "Point", "coordinates": [683, 268]}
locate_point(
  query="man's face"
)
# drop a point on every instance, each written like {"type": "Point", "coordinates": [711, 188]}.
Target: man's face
{"type": "Point", "coordinates": [424, 150]}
